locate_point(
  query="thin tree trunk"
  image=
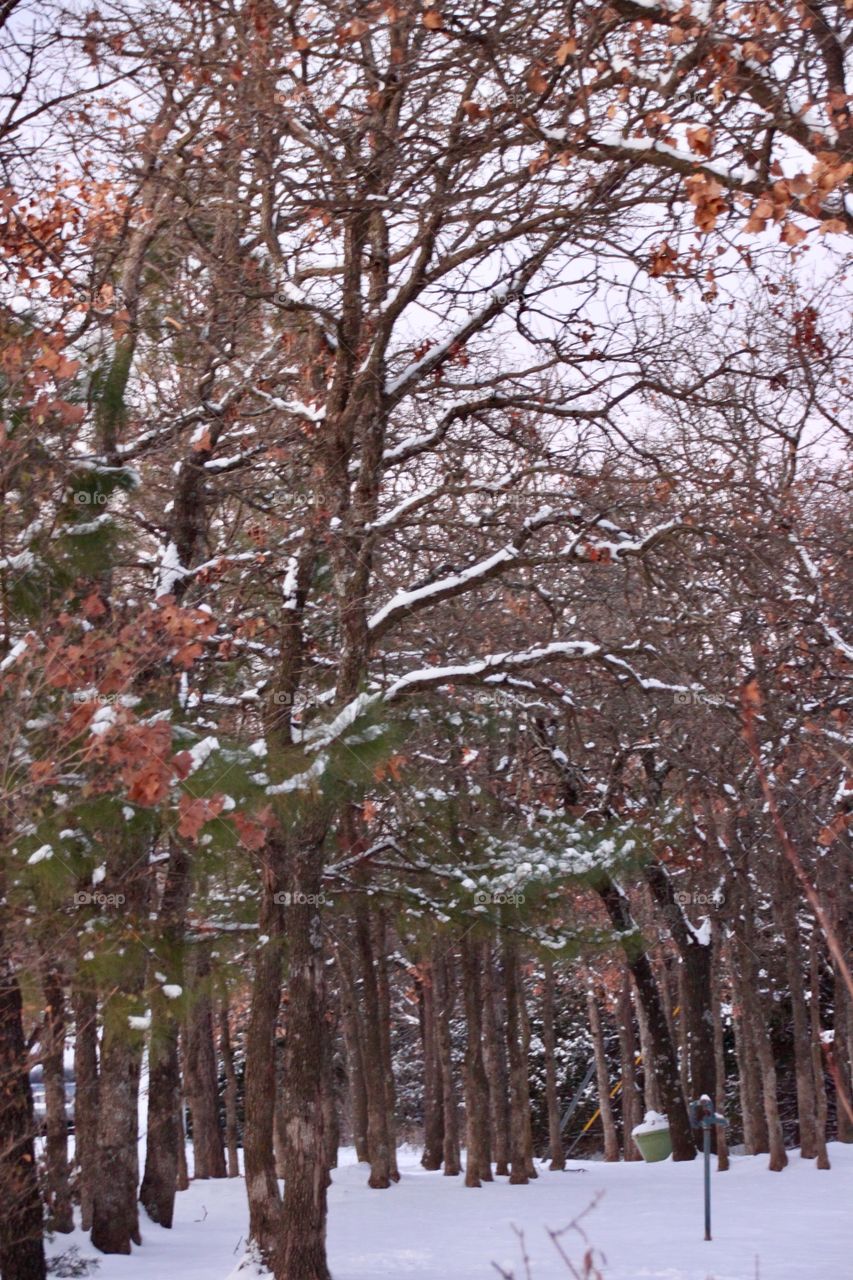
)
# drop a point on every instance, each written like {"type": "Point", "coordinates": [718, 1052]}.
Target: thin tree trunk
{"type": "Point", "coordinates": [478, 1166]}
{"type": "Point", "coordinates": [260, 1084]}
{"type": "Point", "coordinates": [631, 1112]}
{"type": "Point", "coordinates": [555, 1139]}
{"type": "Point", "coordinates": [444, 997]}
{"type": "Point", "coordinates": [786, 899]}
{"type": "Point", "coordinates": [719, 1050]}
{"type": "Point", "coordinates": [384, 992]}
{"type": "Point", "coordinates": [201, 1077]}
{"type": "Point", "coordinates": [60, 1216]}
{"type": "Point", "coordinates": [302, 1255]}
{"type": "Point", "coordinates": [231, 1127]}
{"type": "Point", "coordinates": [602, 1076]}
{"type": "Point", "coordinates": [355, 1056]}
{"type": "Point", "coordinates": [817, 1057]}
{"type": "Point", "coordinates": [164, 1136]}
{"type": "Point", "coordinates": [182, 1180]}
{"type": "Point", "coordinates": [21, 1225]}
{"type": "Point", "coordinates": [527, 1112]}
{"type": "Point", "coordinates": [495, 1061]}
{"type": "Point", "coordinates": [85, 1002]}
{"type": "Point", "coordinates": [331, 1126]}
{"type": "Point", "coordinates": [433, 1095]}
{"type": "Point", "coordinates": [651, 1092]}
{"type": "Point", "coordinates": [378, 1139]}
{"type": "Point", "coordinates": [115, 1215]}
{"type": "Point", "coordinates": [517, 1068]}
{"type": "Point", "coordinates": [279, 1130]}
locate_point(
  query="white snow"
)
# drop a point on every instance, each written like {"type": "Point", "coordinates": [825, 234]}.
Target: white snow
{"type": "Point", "coordinates": [40, 855]}
{"type": "Point", "coordinates": [648, 1224]}
{"type": "Point", "coordinates": [652, 1122]}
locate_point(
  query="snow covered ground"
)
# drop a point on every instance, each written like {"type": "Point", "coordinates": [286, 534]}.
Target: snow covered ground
{"type": "Point", "coordinates": [647, 1224]}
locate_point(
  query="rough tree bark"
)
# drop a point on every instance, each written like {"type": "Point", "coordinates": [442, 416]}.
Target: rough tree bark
{"type": "Point", "coordinates": [302, 1253]}
{"type": "Point", "coordinates": [85, 1005]}
{"type": "Point", "coordinates": [115, 1215]}
{"type": "Point", "coordinates": [517, 1067]}
{"type": "Point", "coordinates": [60, 1216]}
{"type": "Point", "coordinates": [384, 991]}
{"type": "Point", "coordinates": [21, 1226]}
{"type": "Point", "coordinates": [602, 1077]}
{"type": "Point", "coordinates": [478, 1165]}
{"type": "Point", "coordinates": [631, 1110]}
{"type": "Point", "coordinates": [786, 897]}
{"type": "Point", "coordinates": [555, 1138]}
{"type": "Point", "coordinates": [260, 1087]}
{"type": "Point", "coordinates": [494, 1058]}
{"type": "Point", "coordinates": [355, 1055]}
{"type": "Point", "coordinates": [378, 1138]}
{"type": "Point", "coordinates": [433, 1094]}
{"type": "Point", "coordinates": [201, 1078]}
{"type": "Point", "coordinates": [165, 1133]}
{"type": "Point", "coordinates": [226, 1051]}
{"type": "Point", "coordinates": [444, 987]}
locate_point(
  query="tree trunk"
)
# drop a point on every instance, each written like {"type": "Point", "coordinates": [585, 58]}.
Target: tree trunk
{"type": "Point", "coordinates": [555, 1138]}
{"type": "Point", "coordinates": [651, 1092]}
{"type": "Point", "coordinates": [201, 1078]}
{"type": "Point", "coordinates": [787, 897]}
{"type": "Point", "coordinates": [165, 1135]}
{"type": "Point", "coordinates": [631, 1111]}
{"type": "Point", "coordinates": [60, 1216]}
{"type": "Point", "coordinates": [260, 1086]}
{"type": "Point", "coordinates": [760, 1041]}
{"type": "Point", "coordinates": [517, 1068]}
{"type": "Point", "coordinates": [302, 1255]}
{"type": "Point", "coordinates": [433, 1095]}
{"type": "Point", "coordinates": [495, 1061]}
{"type": "Point", "coordinates": [527, 1112]}
{"type": "Point", "coordinates": [279, 1129]}
{"type": "Point", "coordinates": [602, 1076]}
{"type": "Point", "coordinates": [444, 997]}
{"type": "Point", "coordinates": [384, 990]}
{"type": "Point", "coordinates": [478, 1166]}
{"type": "Point", "coordinates": [719, 1050]}
{"type": "Point", "coordinates": [231, 1127]}
{"type": "Point", "coordinates": [115, 1214]}
{"type": "Point", "coordinates": [331, 1126]}
{"type": "Point", "coordinates": [355, 1056]}
{"type": "Point", "coordinates": [85, 1002]}
{"type": "Point", "coordinates": [378, 1139]}
{"type": "Point", "coordinates": [21, 1225]}
{"type": "Point", "coordinates": [662, 1061]}
{"type": "Point", "coordinates": [817, 1057]}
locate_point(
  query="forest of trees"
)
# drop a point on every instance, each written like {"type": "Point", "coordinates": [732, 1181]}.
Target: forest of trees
{"type": "Point", "coordinates": [424, 564]}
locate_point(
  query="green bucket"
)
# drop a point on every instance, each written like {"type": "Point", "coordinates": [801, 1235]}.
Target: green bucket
{"type": "Point", "coordinates": [654, 1144]}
